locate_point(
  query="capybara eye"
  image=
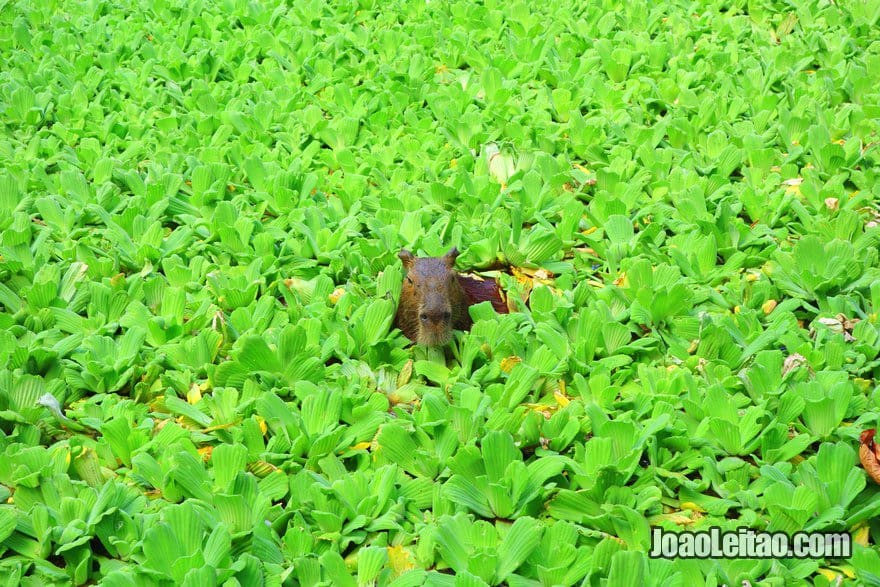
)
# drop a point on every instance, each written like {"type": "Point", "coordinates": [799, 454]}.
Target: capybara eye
{"type": "Point", "coordinates": [423, 317]}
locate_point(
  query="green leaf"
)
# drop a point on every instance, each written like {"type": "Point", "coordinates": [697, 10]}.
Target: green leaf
{"type": "Point", "coordinates": [521, 540]}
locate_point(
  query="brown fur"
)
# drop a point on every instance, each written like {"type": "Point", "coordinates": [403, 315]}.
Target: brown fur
{"type": "Point", "coordinates": [483, 290]}
{"type": "Point", "coordinates": [432, 301]}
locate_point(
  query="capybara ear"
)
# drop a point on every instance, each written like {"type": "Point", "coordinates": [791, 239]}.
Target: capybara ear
{"type": "Point", "coordinates": [450, 257]}
{"type": "Point", "coordinates": [407, 258]}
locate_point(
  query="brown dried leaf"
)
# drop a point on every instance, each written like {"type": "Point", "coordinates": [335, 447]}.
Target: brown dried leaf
{"type": "Point", "coordinates": [792, 362]}
{"type": "Point", "coordinates": [868, 454]}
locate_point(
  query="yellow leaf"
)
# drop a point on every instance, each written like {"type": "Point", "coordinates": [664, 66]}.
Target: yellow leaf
{"type": "Point", "coordinates": [194, 395]}
{"type": "Point", "coordinates": [337, 293]}
{"type": "Point", "coordinates": [219, 427]}
{"type": "Point", "coordinates": [542, 409]}
{"type": "Point", "coordinates": [793, 185]}
{"type": "Point", "coordinates": [832, 576]}
{"type": "Point", "coordinates": [541, 275]}
{"type": "Point", "coordinates": [262, 468]}
{"type": "Point", "coordinates": [520, 275]}
{"type": "Point", "coordinates": [861, 535]}
{"type": "Point", "coordinates": [689, 505]}
{"type": "Point", "coordinates": [508, 363]}
{"type": "Point", "coordinates": [676, 518]}
{"type": "Point", "coordinates": [405, 374]}
{"type": "Point", "coordinates": [365, 445]}
{"type": "Point", "coordinates": [768, 306]}
{"type": "Point", "coordinates": [561, 399]}
{"type": "Point", "coordinates": [862, 385]}
{"type": "Point", "coordinates": [525, 280]}
{"type": "Point", "coordinates": [400, 559]}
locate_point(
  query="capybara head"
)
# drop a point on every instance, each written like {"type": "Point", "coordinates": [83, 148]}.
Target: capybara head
{"type": "Point", "coordinates": [432, 301]}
